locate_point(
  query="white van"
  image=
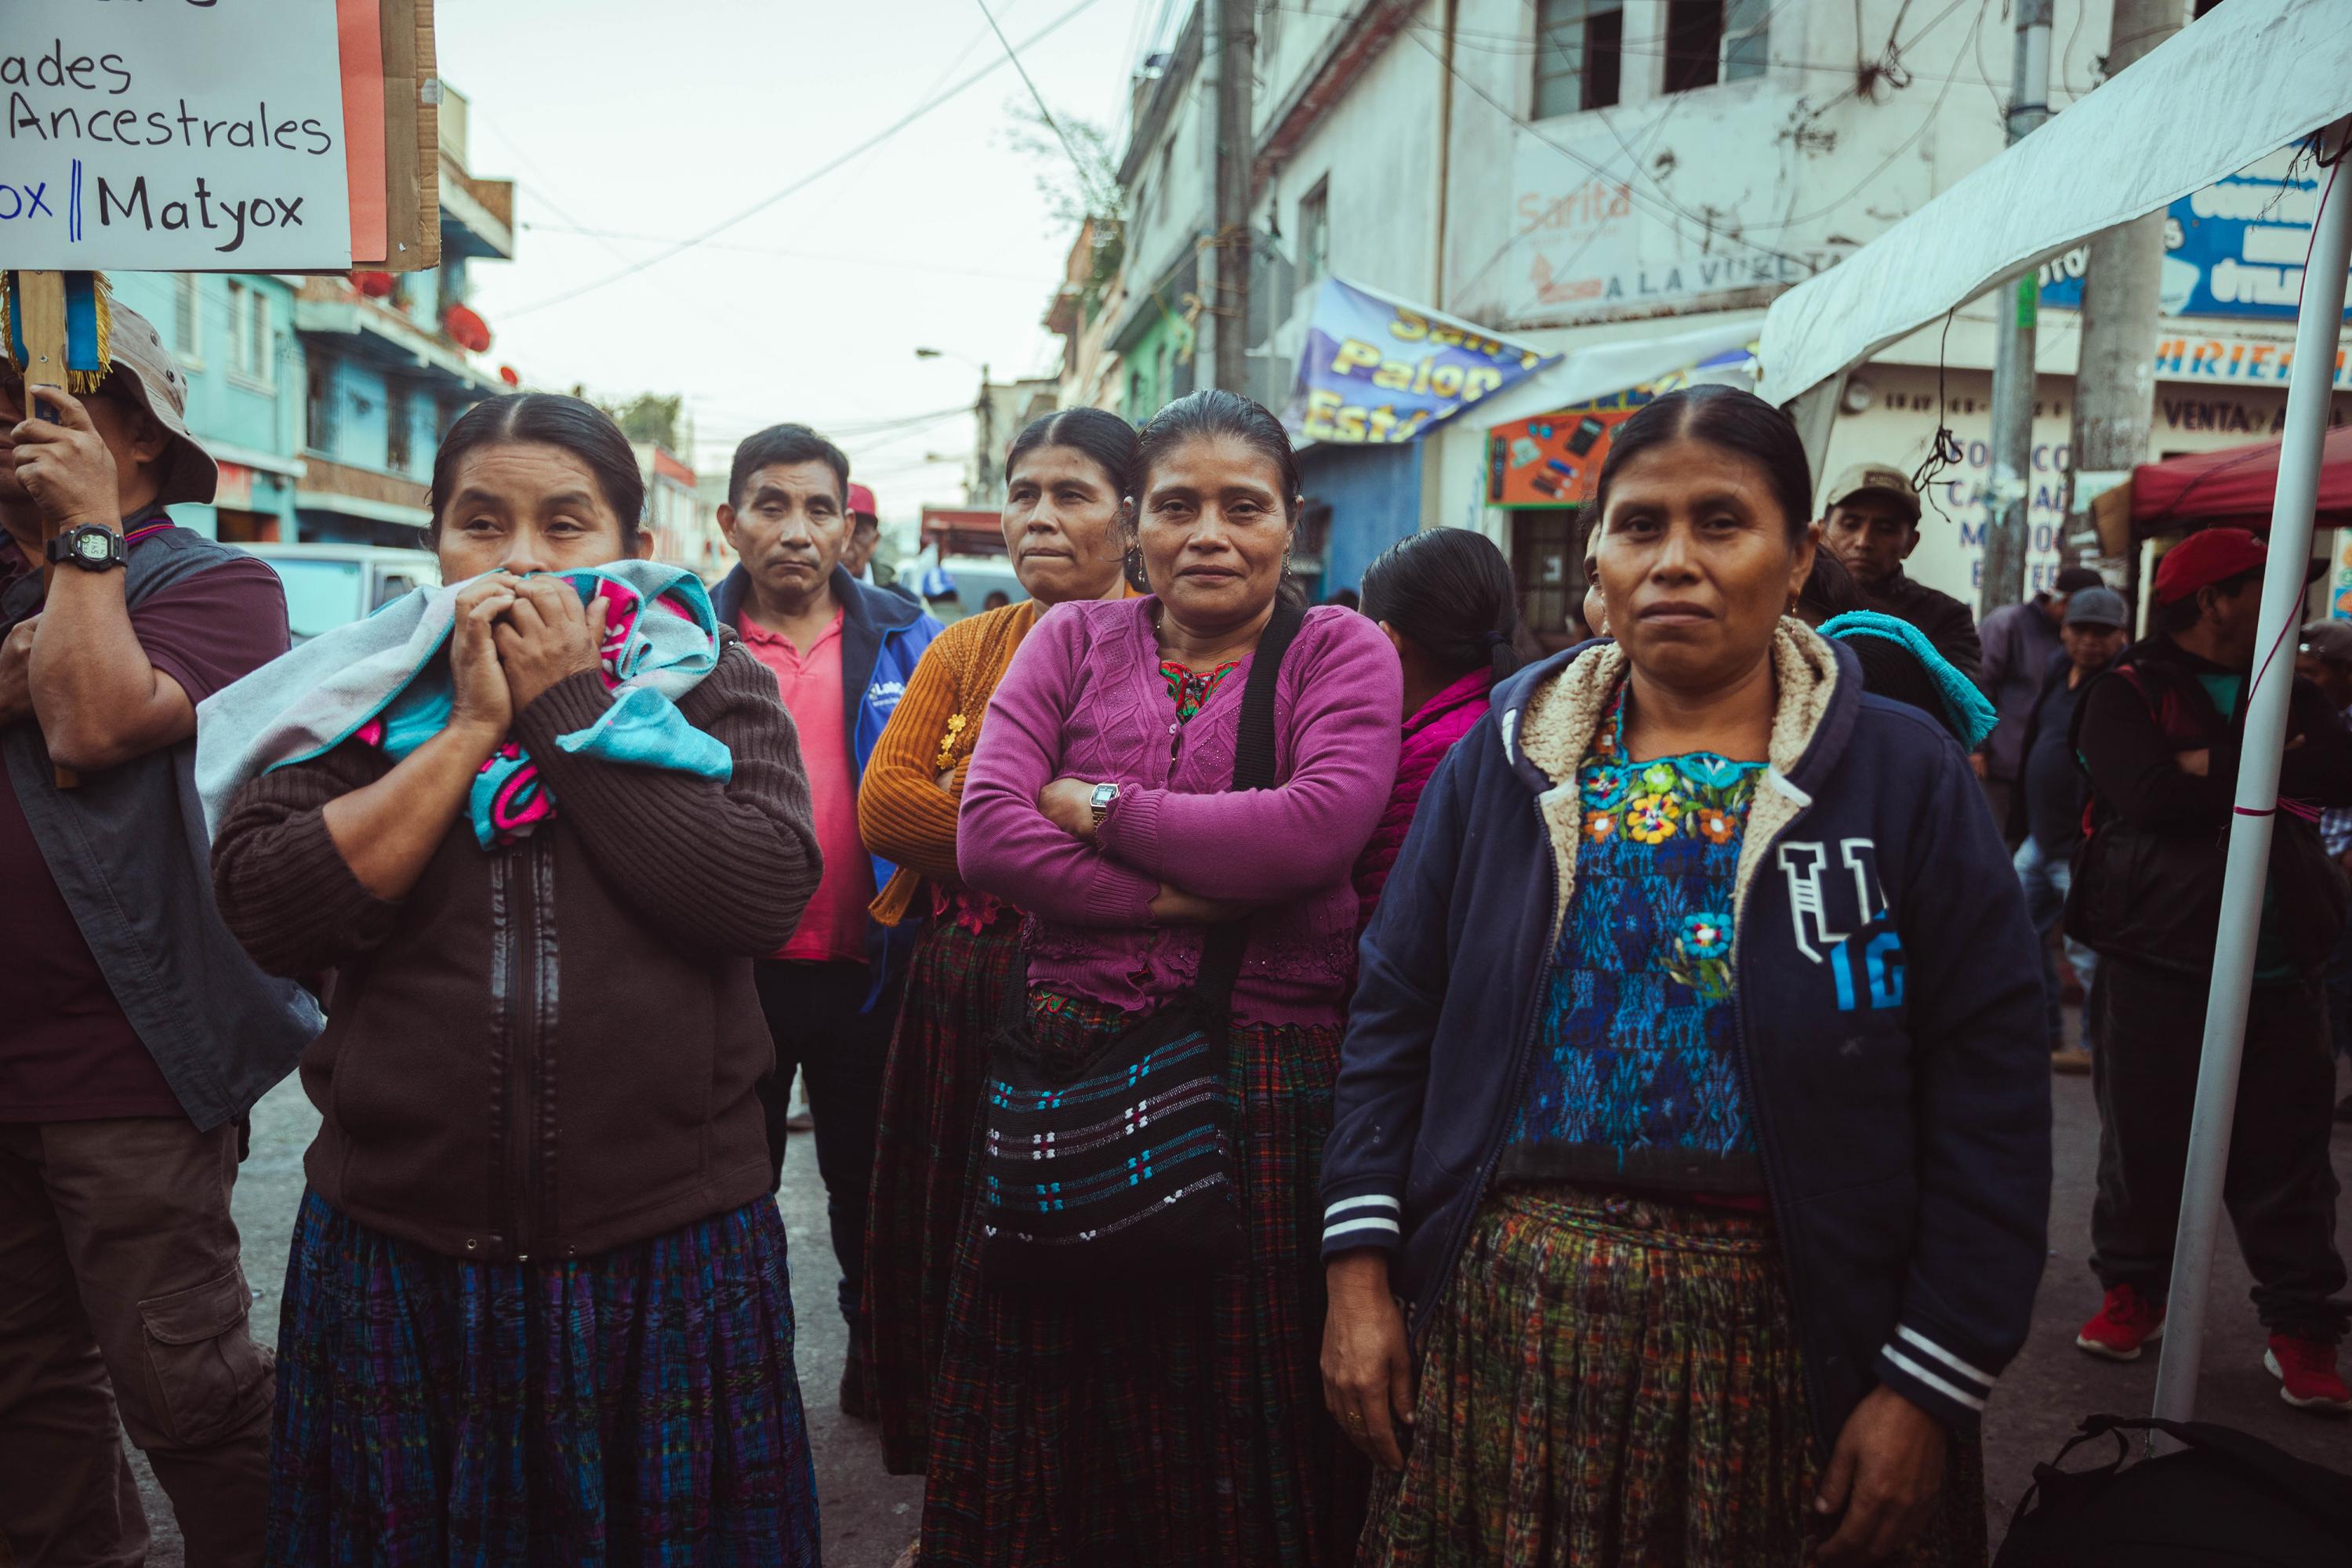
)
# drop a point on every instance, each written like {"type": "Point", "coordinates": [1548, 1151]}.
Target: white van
{"type": "Point", "coordinates": [328, 586]}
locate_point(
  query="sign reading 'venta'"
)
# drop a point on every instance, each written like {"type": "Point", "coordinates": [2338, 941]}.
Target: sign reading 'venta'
{"type": "Point", "coordinates": [171, 136]}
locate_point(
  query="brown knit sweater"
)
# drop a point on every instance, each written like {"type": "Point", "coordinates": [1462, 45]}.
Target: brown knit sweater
{"type": "Point", "coordinates": [551, 1048]}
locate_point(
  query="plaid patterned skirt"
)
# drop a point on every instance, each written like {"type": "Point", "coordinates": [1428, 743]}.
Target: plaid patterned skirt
{"type": "Point", "coordinates": [635, 1408]}
{"type": "Point", "coordinates": [932, 1090]}
{"type": "Point", "coordinates": [1616, 1381]}
{"type": "Point", "coordinates": [1158, 1423]}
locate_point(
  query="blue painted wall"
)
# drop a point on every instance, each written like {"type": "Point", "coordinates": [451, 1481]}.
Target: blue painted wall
{"type": "Point", "coordinates": [257, 414]}
{"type": "Point", "coordinates": [1374, 494]}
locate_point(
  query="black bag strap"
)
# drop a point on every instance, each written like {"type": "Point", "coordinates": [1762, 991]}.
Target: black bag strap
{"type": "Point", "coordinates": [1253, 759]}
{"type": "Point", "coordinates": [2319, 1491]}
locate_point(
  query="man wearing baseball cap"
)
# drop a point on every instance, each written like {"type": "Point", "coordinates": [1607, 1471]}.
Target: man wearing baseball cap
{"type": "Point", "coordinates": [865, 536]}
{"type": "Point", "coordinates": [2160, 736]}
{"type": "Point", "coordinates": [2326, 660]}
{"type": "Point", "coordinates": [1870, 523]}
{"type": "Point", "coordinates": [2045, 811]}
{"type": "Point", "coordinates": [136, 1035]}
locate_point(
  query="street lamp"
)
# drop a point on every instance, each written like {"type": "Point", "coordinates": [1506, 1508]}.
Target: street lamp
{"type": "Point", "coordinates": [983, 410]}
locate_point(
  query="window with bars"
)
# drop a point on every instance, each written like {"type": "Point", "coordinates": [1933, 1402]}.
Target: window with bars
{"type": "Point", "coordinates": [1708, 41]}
{"type": "Point", "coordinates": [1314, 235]}
{"type": "Point", "coordinates": [318, 409]}
{"type": "Point", "coordinates": [399, 419]}
{"type": "Point", "coordinates": [1580, 55]}
{"type": "Point", "coordinates": [249, 349]}
{"type": "Point", "coordinates": [1547, 558]}
{"type": "Point", "coordinates": [187, 320]}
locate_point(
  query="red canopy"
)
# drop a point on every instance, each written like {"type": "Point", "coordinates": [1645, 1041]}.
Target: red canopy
{"type": "Point", "coordinates": [2234, 486]}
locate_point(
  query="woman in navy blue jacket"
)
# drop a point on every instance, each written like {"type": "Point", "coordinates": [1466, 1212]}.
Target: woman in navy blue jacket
{"type": "Point", "coordinates": [1688, 1189]}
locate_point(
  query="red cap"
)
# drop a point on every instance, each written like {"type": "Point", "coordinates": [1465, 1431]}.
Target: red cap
{"type": "Point", "coordinates": [861, 503]}
{"type": "Point", "coordinates": [2210, 555]}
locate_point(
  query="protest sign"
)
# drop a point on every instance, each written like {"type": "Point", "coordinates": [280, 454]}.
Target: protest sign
{"type": "Point", "coordinates": [1376, 372]}
{"type": "Point", "coordinates": [173, 135]}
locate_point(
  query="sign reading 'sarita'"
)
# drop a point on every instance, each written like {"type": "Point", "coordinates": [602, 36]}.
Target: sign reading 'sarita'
{"type": "Point", "coordinates": [1377, 373]}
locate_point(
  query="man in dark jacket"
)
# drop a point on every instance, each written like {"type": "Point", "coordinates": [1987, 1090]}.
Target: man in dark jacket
{"type": "Point", "coordinates": [2021, 643]}
{"type": "Point", "coordinates": [2161, 735]}
{"type": "Point", "coordinates": [2045, 813]}
{"type": "Point", "coordinates": [1870, 523]}
{"type": "Point", "coordinates": [842, 653]}
{"type": "Point", "coordinates": [135, 1034]}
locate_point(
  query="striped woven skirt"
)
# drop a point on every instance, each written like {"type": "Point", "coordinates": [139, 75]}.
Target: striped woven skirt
{"type": "Point", "coordinates": [638, 1408]}
{"type": "Point", "coordinates": [1615, 1381]}
{"type": "Point", "coordinates": [932, 1090]}
{"type": "Point", "coordinates": [1146, 1424]}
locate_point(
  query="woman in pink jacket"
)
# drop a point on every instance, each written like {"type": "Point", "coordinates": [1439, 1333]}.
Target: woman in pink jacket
{"type": "Point", "coordinates": [1446, 599]}
{"type": "Point", "coordinates": [1149, 1422]}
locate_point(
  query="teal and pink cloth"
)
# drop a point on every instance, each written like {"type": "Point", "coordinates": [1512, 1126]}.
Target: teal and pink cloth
{"type": "Point", "coordinates": [385, 681]}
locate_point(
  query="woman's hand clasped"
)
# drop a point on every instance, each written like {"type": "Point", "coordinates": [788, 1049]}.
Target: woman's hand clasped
{"type": "Point", "coordinates": [546, 637]}
{"type": "Point", "coordinates": [481, 704]}
{"type": "Point", "coordinates": [1367, 1362]}
{"type": "Point", "coordinates": [1886, 1476]}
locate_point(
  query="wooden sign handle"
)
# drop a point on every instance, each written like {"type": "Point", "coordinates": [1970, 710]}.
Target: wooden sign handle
{"type": "Point", "coordinates": [41, 300]}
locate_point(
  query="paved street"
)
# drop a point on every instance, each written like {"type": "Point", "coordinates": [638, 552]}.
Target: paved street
{"type": "Point", "coordinates": [869, 1517]}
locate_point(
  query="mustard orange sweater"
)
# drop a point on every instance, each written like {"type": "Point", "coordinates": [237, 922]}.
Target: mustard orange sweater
{"type": "Point", "coordinates": [904, 814]}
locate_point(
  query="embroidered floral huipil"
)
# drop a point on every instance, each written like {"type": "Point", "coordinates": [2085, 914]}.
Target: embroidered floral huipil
{"type": "Point", "coordinates": [1636, 1078]}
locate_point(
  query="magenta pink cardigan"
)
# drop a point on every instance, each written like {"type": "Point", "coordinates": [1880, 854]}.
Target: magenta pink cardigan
{"type": "Point", "coordinates": [1429, 734]}
{"type": "Point", "coordinates": [1085, 698]}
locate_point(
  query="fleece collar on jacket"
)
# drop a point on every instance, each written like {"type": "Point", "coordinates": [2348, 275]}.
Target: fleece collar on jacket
{"type": "Point", "coordinates": [1551, 711]}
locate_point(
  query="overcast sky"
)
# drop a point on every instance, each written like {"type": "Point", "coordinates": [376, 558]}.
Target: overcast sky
{"type": "Point", "coordinates": [655, 122]}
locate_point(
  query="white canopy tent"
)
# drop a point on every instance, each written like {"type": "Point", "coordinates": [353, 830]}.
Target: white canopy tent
{"type": "Point", "coordinates": [2242, 81]}
{"type": "Point", "coordinates": [2247, 79]}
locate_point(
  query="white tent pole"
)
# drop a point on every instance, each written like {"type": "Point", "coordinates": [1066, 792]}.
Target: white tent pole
{"type": "Point", "coordinates": [2317, 328]}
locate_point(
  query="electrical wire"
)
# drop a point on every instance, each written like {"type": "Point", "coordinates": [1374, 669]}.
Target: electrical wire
{"type": "Point", "coordinates": [779, 250]}
{"type": "Point", "coordinates": [795, 186]}
{"type": "Point", "coordinates": [1077, 162]}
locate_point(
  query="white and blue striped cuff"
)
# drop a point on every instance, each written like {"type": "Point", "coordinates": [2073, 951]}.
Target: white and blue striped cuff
{"type": "Point", "coordinates": [1922, 1358]}
{"type": "Point", "coordinates": [1371, 1220]}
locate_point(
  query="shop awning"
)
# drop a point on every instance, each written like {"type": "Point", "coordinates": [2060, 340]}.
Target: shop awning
{"type": "Point", "coordinates": [2241, 81]}
{"type": "Point", "coordinates": [2233, 486]}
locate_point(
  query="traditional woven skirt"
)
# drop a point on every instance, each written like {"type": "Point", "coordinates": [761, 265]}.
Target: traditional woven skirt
{"type": "Point", "coordinates": [1151, 1422]}
{"type": "Point", "coordinates": [1615, 1381]}
{"type": "Point", "coordinates": [932, 1090]}
{"type": "Point", "coordinates": [634, 1408]}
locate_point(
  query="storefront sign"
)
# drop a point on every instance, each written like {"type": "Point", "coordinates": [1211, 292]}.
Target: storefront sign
{"type": "Point", "coordinates": [2234, 250]}
{"type": "Point", "coordinates": [1596, 236]}
{"type": "Point", "coordinates": [1375, 372]}
{"type": "Point", "coordinates": [176, 135]}
{"type": "Point", "coordinates": [236, 487]}
{"type": "Point", "coordinates": [2232, 361]}
{"type": "Point", "coordinates": [1552, 459]}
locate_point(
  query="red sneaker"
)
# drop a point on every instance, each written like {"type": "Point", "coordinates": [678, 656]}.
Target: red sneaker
{"type": "Point", "coordinates": [2125, 1321]}
{"type": "Point", "coordinates": [2307, 1376]}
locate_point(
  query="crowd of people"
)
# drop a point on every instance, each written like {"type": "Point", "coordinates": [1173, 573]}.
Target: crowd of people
{"type": "Point", "coordinates": [1293, 1085]}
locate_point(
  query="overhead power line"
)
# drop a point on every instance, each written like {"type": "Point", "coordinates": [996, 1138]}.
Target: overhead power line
{"type": "Point", "coordinates": [812, 177]}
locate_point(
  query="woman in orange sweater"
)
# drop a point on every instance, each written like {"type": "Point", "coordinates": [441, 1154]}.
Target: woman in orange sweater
{"type": "Point", "coordinates": [1067, 478]}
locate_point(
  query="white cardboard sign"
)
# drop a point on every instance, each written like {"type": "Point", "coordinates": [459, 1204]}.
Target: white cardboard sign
{"type": "Point", "coordinates": [171, 136]}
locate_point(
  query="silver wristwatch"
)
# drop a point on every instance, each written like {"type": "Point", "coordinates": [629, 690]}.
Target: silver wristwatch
{"type": "Point", "coordinates": [1105, 793]}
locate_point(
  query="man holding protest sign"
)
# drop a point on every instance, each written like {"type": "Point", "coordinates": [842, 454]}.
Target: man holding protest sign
{"type": "Point", "coordinates": [136, 1035]}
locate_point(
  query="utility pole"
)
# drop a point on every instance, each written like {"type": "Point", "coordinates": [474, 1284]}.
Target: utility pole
{"type": "Point", "coordinates": [1228, 56]}
{"type": "Point", "coordinates": [983, 414]}
{"type": "Point", "coordinates": [2015, 307]}
{"type": "Point", "coordinates": [2115, 378]}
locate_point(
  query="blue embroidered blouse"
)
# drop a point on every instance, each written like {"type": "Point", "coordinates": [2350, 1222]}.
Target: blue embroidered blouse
{"type": "Point", "coordinates": [1636, 1078]}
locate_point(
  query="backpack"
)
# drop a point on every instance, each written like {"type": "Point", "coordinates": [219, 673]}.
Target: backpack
{"type": "Point", "coordinates": [2222, 1498]}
